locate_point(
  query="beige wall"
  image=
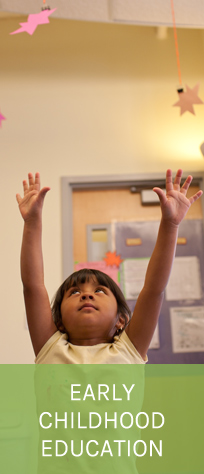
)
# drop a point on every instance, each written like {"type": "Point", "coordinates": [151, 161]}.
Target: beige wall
{"type": "Point", "coordinates": [84, 99]}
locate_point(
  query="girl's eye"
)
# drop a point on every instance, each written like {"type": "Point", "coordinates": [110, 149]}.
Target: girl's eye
{"type": "Point", "coordinates": [73, 292]}
{"type": "Point", "coordinates": [100, 290]}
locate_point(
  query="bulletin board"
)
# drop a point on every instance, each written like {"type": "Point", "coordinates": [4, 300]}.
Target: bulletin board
{"type": "Point", "coordinates": [113, 205]}
{"type": "Point", "coordinates": [180, 332]}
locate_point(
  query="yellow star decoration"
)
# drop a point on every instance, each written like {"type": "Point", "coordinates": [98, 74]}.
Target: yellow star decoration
{"type": "Point", "coordinates": [187, 99]}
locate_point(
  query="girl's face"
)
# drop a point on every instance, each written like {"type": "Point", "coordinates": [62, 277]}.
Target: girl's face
{"type": "Point", "coordinates": [89, 313]}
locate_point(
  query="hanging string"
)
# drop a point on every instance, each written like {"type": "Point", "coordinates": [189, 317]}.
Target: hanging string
{"type": "Point", "coordinates": [176, 42]}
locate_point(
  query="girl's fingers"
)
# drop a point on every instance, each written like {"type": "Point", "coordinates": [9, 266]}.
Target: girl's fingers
{"type": "Point", "coordinates": [169, 184]}
{"type": "Point", "coordinates": [34, 182]}
{"type": "Point", "coordinates": [37, 179]}
{"type": "Point", "coordinates": [196, 196]}
{"type": "Point", "coordinates": [186, 185]}
{"type": "Point", "coordinates": [25, 186]}
{"type": "Point", "coordinates": [30, 179]}
{"type": "Point", "coordinates": [177, 180]}
{"type": "Point", "coordinates": [31, 186]}
{"type": "Point", "coordinates": [161, 195]}
{"type": "Point", "coordinates": [18, 198]}
{"type": "Point", "coordinates": [42, 193]}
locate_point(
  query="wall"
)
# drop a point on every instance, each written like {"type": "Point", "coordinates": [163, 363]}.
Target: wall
{"type": "Point", "coordinates": [84, 99]}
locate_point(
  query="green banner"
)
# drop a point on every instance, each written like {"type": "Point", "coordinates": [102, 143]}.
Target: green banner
{"type": "Point", "coordinates": [98, 419]}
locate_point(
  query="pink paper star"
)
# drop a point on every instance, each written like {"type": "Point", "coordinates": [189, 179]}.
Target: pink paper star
{"type": "Point", "coordinates": [1, 118]}
{"type": "Point", "coordinates": [33, 21]}
{"type": "Point", "coordinates": [187, 99]}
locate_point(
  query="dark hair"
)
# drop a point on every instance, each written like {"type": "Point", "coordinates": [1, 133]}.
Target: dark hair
{"type": "Point", "coordinates": [81, 277]}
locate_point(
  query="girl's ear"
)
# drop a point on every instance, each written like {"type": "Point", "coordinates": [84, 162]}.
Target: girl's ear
{"type": "Point", "coordinates": [61, 328]}
{"type": "Point", "coordinates": [121, 322]}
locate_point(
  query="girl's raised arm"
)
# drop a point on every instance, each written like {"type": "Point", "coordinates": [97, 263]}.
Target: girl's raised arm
{"type": "Point", "coordinates": [38, 311]}
{"type": "Point", "coordinates": [174, 207]}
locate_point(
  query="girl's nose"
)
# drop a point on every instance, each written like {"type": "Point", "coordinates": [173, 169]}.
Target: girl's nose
{"type": "Point", "coordinates": [87, 296]}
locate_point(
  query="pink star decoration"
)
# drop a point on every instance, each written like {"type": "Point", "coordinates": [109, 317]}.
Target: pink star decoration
{"type": "Point", "coordinates": [33, 21]}
{"type": "Point", "coordinates": [187, 99]}
{"type": "Point", "coordinates": [1, 118]}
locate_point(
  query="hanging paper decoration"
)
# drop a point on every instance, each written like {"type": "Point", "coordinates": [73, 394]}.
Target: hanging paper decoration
{"type": "Point", "coordinates": [34, 20]}
{"type": "Point", "coordinates": [112, 259]}
{"type": "Point", "coordinates": [190, 96]}
{"type": "Point", "coordinates": [187, 99]}
{"type": "Point", "coordinates": [45, 7]}
{"type": "Point", "coordinates": [1, 118]}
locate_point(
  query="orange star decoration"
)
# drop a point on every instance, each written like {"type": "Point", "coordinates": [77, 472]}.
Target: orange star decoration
{"type": "Point", "coordinates": [187, 99]}
{"type": "Point", "coordinates": [112, 259]}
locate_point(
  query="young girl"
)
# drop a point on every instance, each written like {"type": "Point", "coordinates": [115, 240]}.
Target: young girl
{"type": "Point", "coordinates": [89, 322]}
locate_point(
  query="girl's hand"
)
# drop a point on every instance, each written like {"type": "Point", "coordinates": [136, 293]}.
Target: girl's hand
{"type": "Point", "coordinates": [32, 203]}
{"type": "Point", "coordinates": [175, 204]}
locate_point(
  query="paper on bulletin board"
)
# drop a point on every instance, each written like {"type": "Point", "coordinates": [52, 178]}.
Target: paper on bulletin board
{"type": "Point", "coordinates": [101, 266]}
{"type": "Point", "coordinates": [155, 344]}
{"type": "Point", "coordinates": [187, 329]}
{"type": "Point", "coordinates": [185, 280]}
{"type": "Point", "coordinates": [134, 271]}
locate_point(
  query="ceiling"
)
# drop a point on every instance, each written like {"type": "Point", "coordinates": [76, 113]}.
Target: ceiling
{"type": "Point", "coordinates": [188, 13]}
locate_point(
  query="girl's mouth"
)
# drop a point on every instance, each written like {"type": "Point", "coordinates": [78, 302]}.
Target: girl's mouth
{"type": "Point", "coordinates": [87, 305]}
